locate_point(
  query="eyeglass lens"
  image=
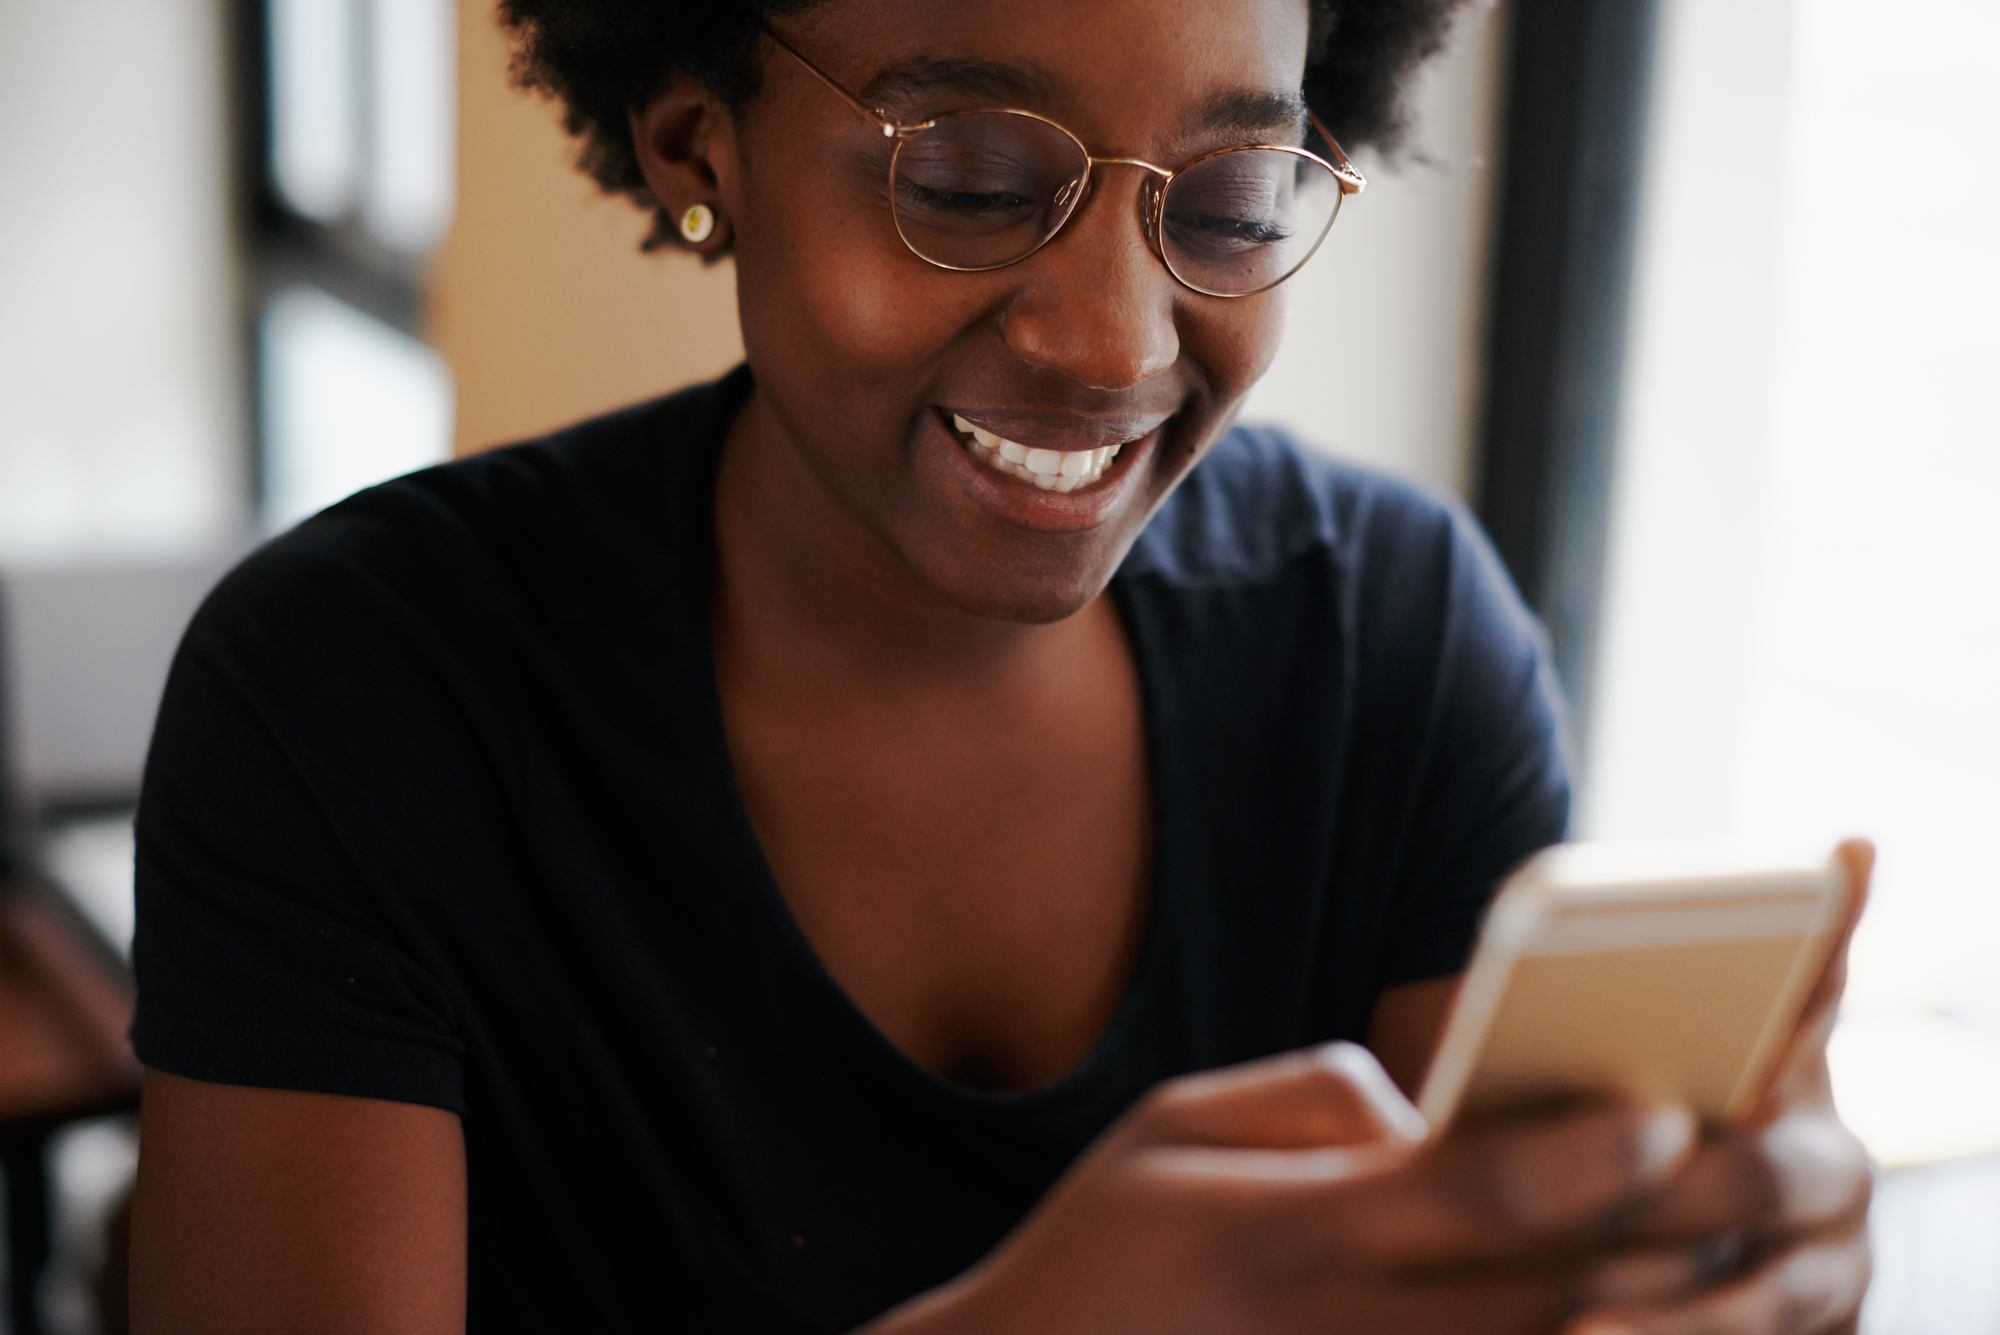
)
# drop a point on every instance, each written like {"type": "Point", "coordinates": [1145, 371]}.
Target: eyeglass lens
{"type": "Point", "coordinates": [982, 189]}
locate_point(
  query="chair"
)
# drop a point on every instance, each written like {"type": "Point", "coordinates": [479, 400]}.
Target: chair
{"type": "Point", "coordinates": [65, 1004]}
{"type": "Point", "coordinates": [82, 659]}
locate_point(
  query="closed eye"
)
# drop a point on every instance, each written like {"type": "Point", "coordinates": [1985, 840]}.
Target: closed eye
{"type": "Point", "coordinates": [918, 195]}
{"type": "Point", "coordinates": [1245, 231]}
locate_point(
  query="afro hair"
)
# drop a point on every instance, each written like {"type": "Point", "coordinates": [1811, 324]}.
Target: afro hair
{"type": "Point", "coordinates": [603, 58]}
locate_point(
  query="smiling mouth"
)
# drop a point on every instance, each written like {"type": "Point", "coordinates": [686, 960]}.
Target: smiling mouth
{"type": "Point", "coordinates": [1051, 470]}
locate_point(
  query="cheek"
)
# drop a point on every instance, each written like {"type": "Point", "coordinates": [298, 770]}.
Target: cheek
{"type": "Point", "coordinates": [1225, 349]}
{"type": "Point", "coordinates": [1232, 344]}
{"type": "Point", "coordinates": [833, 297]}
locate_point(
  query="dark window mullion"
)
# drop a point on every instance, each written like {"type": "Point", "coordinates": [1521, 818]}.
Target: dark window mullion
{"type": "Point", "coordinates": [1579, 73]}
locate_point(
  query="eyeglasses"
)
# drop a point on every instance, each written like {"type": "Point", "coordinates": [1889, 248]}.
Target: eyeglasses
{"type": "Point", "coordinates": [972, 191]}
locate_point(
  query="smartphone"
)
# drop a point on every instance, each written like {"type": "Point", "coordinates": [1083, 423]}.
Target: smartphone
{"type": "Point", "coordinates": [1674, 972]}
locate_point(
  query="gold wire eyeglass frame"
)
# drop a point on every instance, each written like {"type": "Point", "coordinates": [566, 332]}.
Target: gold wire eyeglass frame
{"type": "Point", "coordinates": [1351, 181]}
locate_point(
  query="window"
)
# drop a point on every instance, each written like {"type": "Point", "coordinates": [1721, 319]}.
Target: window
{"type": "Point", "coordinates": [357, 165]}
{"type": "Point", "coordinates": [1803, 598]}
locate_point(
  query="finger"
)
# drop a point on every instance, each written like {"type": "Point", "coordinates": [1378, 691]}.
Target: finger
{"type": "Point", "coordinates": [1801, 1072]}
{"type": "Point", "coordinates": [1810, 1289]}
{"type": "Point", "coordinates": [1335, 1094]}
{"type": "Point", "coordinates": [1649, 1278]}
{"type": "Point", "coordinates": [1511, 1193]}
{"type": "Point", "coordinates": [1493, 1302]}
{"type": "Point", "coordinates": [1507, 1190]}
{"type": "Point", "coordinates": [1804, 1173]}
{"type": "Point", "coordinates": [1857, 857]}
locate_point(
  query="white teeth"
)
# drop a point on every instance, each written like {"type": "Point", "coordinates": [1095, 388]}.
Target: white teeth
{"type": "Point", "coordinates": [980, 434]}
{"type": "Point", "coordinates": [1051, 470]}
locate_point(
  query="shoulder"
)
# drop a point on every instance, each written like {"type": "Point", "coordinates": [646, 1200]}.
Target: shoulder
{"type": "Point", "coordinates": [606, 507]}
{"type": "Point", "coordinates": [638, 473]}
{"type": "Point", "coordinates": [1291, 547]}
{"type": "Point", "coordinates": [1260, 503]}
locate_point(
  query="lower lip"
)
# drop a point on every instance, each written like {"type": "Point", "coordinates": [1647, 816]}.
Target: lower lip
{"type": "Point", "coordinates": [1027, 505]}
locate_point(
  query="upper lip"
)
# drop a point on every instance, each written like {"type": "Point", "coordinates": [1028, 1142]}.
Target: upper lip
{"type": "Point", "coordinates": [1058, 430]}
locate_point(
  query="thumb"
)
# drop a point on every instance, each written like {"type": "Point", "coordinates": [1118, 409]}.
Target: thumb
{"type": "Point", "coordinates": [1800, 1075]}
{"type": "Point", "coordinates": [1335, 1094]}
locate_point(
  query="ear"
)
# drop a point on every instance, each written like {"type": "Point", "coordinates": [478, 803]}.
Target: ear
{"type": "Point", "coordinates": [684, 138]}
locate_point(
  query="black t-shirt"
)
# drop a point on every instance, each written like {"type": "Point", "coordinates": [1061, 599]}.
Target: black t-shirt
{"type": "Point", "coordinates": [440, 810]}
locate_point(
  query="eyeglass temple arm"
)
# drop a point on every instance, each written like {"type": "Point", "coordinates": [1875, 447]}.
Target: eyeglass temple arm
{"type": "Point", "coordinates": [1352, 182]}
{"type": "Point", "coordinates": [888, 129]}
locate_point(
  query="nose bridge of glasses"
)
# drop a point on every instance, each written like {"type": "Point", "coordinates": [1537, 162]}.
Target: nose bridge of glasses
{"type": "Point", "coordinates": [1069, 197]}
{"type": "Point", "coordinates": [1154, 168]}
{"type": "Point", "coordinates": [1151, 187]}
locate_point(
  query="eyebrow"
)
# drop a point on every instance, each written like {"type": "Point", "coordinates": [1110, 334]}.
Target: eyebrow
{"type": "Point", "coordinates": [975, 78]}
{"type": "Point", "coordinates": [1029, 85]}
{"type": "Point", "coordinates": [1251, 113]}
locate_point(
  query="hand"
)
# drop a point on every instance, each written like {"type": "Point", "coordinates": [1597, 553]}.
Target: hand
{"type": "Point", "coordinates": [1787, 1194]}
{"type": "Point", "coordinates": [1296, 1195]}
{"type": "Point", "coordinates": [1293, 1195]}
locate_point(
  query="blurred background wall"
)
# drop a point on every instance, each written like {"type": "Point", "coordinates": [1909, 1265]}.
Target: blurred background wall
{"type": "Point", "coordinates": [1383, 355]}
{"type": "Point", "coordinates": [120, 435]}
{"type": "Point", "coordinates": [1802, 598]}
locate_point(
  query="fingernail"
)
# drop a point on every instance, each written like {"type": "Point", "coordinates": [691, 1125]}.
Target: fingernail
{"type": "Point", "coordinates": [1663, 1138]}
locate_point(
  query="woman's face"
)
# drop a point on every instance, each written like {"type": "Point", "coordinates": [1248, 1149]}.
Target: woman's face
{"type": "Point", "coordinates": [866, 356]}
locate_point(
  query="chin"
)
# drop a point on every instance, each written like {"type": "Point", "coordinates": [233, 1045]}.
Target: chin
{"type": "Point", "coordinates": [1036, 601]}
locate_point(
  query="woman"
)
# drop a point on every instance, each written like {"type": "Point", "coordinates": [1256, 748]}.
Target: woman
{"type": "Point", "coordinates": [770, 859]}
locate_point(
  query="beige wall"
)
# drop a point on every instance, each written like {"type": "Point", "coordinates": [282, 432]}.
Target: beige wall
{"type": "Point", "coordinates": [1382, 359]}
{"type": "Point", "coordinates": [539, 298]}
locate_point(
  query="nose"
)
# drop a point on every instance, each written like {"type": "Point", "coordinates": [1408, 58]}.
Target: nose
{"type": "Point", "coordinates": [1095, 304]}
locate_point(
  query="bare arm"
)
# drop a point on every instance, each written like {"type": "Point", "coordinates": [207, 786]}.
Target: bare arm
{"type": "Point", "coordinates": [261, 1210]}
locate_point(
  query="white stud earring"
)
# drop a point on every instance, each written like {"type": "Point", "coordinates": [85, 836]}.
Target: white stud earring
{"type": "Point", "coordinates": [697, 224]}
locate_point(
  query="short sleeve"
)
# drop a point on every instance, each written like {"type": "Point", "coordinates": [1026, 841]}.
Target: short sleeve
{"type": "Point", "coordinates": [1493, 786]}
{"type": "Point", "coordinates": [270, 950]}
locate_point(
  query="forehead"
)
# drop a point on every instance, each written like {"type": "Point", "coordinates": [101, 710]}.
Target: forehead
{"type": "Point", "coordinates": [1117, 68]}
